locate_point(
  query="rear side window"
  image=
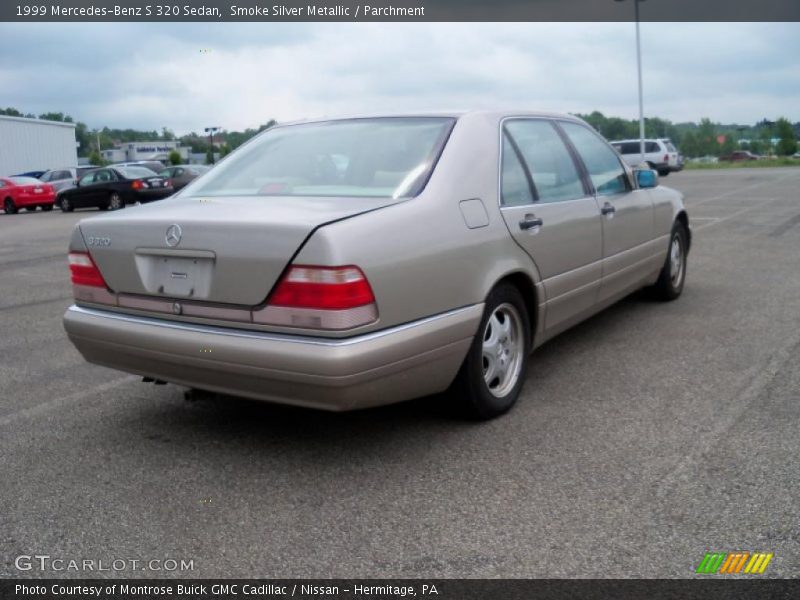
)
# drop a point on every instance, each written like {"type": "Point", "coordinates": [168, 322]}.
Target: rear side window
{"type": "Point", "coordinates": [554, 174]}
{"type": "Point", "coordinates": [104, 176]}
{"type": "Point", "coordinates": [605, 169]}
{"type": "Point", "coordinates": [628, 147]}
{"type": "Point", "coordinates": [514, 187]}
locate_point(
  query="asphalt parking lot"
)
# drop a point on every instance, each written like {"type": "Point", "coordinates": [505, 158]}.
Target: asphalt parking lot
{"type": "Point", "coordinates": [647, 436]}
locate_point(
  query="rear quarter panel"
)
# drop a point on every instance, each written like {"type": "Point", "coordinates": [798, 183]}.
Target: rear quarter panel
{"type": "Point", "coordinates": [419, 255]}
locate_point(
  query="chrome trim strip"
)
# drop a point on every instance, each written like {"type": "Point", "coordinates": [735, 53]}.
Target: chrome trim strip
{"type": "Point", "coordinates": [275, 337]}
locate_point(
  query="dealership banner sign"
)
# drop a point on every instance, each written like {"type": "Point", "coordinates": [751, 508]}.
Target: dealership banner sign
{"type": "Point", "coordinates": [440, 589]}
{"type": "Point", "coordinates": [399, 10]}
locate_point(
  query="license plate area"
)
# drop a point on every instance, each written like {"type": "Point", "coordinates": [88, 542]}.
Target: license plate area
{"type": "Point", "coordinates": [184, 275]}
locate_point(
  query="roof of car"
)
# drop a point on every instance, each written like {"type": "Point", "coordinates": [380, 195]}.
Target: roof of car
{"type": "Point", "coordinates": [493, 113]}
{"type": "Point", "coordinates": [636, 141]}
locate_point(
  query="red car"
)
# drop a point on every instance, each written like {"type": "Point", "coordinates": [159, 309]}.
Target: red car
{"type": "Point", "coordinates": [25, 192]}
{"type": "Point", "coordinates": [738, 156]}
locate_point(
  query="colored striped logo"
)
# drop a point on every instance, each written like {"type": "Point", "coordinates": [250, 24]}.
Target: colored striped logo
{"type": "Point", "coordinates": [725, 563]}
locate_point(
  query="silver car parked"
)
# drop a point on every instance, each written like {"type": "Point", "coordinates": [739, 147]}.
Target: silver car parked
{"type": "Point", "coordinates": [348, 263]}
{"type": "Point", "coordinates": [64, 178]}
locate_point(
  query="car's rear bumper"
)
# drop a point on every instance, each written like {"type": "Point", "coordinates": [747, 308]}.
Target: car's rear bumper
{"type": "Point", "coordinates": [150, 195]}
{"type": "Point", "coordinates": [382, 367]}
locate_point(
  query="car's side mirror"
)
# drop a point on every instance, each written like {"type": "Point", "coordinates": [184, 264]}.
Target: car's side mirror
{"type": "Point", "coordinates": [646, 178]}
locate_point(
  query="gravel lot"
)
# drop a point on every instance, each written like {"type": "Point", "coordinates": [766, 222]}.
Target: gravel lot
{"type": "Point", "coordinates": [646, 436]}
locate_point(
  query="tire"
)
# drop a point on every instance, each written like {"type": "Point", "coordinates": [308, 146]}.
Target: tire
{"type": "Point", "coordinates": [484, 389]}
{"type": "Point", "coordinates": [47, 207]}
{"type": "Point", "coordinates": [673, 274]}
{"type": "Point", "coordinates": [9, 207]}
{"type": "Point", "coordinates": [115, 201]}
{"type": "Point", "coordinates": [66, 205]}
{"type": "Point", "coordinates": [663, 172]}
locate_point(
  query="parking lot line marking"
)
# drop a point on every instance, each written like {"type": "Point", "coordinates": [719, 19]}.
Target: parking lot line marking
{"type": "Point", "coordinates": [753, 382]}
{"type": "Point", "coordinates": [735, 214]}
{"type": "Point", "coordinates": [39, 409]}
{"type": "Point", "coordinates": [738, 189]}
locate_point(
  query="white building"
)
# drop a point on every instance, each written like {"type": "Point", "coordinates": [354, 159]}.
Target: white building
{"type": "Point", "coordinates": [131, 151]}
{"type": "Point", "coordinates": [36, 145]}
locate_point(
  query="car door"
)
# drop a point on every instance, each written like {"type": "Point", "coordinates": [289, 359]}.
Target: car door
{"type": "Point", "coordinates": [105, 183]}
{"type": "Point", "coordinates": [553, 216]}
{"type": "Point", "coordinates": [86, 191]}
{"type": "Point", "coordinates": [627, 212]}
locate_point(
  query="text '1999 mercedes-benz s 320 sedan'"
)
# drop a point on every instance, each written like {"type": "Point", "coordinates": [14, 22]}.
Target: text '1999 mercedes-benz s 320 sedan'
{"type": "Point", "coordinates": [348, 263]}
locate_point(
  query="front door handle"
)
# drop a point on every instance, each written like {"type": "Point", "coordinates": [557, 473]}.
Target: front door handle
{"type": "Point", "coordinates": [608, 209]}
{"type": "Point", "coordinates": [529, 222]}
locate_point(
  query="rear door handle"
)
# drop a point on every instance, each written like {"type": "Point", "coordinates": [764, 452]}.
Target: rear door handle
{"type": "Point", "coordinates": [608, 209]}
{"type": "Point", "coordinates": [529, 222]}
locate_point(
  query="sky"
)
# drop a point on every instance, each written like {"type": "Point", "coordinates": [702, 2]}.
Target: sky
{"type": "Point", "coordinates": [187, 76]}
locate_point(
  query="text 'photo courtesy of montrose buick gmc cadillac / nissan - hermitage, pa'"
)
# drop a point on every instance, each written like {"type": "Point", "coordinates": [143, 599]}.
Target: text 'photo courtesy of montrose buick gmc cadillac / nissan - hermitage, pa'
{"type": "Point", "coordinates": [347, 263]}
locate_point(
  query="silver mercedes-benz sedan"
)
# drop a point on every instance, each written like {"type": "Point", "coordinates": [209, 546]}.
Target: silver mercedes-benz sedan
{"type": "Point", "coordinates": [348, 263]}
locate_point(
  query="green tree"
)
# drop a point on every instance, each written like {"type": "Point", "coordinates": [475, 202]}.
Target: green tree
{"type": "Point", "coordinates": [56, 116]}
{"type": "Point", "coordinates": [96, 159]}
{"type": "Point", "coordinates": [10, 112]}
{"type": "Point", "coordinates": [707, 138]}
{"type": "Point", "coordinates": [210, 157]}
{"type": "Point", "coordinates": [788, 142]}
{"type": "Point", "coordinates": [689, 145]}
{"type": "Point", "coordinates": [175, 157]}
{"type": "Point", "coordinates": [729, 145]}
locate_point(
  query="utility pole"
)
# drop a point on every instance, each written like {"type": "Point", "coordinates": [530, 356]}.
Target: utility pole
{"type": "Point", "coordinates": [210, 131]}
{"type": "Point", "coordinates": [639, 72]}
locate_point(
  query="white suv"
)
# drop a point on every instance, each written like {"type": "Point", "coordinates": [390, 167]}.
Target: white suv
{"type": "Point", "coordinates": [660, 154]}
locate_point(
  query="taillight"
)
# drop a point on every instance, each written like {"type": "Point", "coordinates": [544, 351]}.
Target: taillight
{"type": "Point", "coordinates": [83, 271]}
{"type": "Point", "coordinates": [323, 287]}
{"type": "Point", "coordinates": [320, 298]}
{"type": "Point", "coordinates": [138, 184]}
{"type": "Point", "coordinates": [666, 158]}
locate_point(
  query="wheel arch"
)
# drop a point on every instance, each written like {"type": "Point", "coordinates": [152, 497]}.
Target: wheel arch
{"type": "Point", "coordinates": [524, 283]}
{"type": "Point", "coordinates": [683, 218]}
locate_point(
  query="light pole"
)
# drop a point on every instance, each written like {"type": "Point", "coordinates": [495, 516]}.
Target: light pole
{"type": "Point", "coordinates": [210, 131]}
{"type": "Point", "coordinates": [639, 70]}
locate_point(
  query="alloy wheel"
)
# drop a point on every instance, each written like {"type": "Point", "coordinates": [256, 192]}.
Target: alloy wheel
{"type": "Point", "coordinates": [676, 262]}
{"type": "Point", "coordinates": [502, 350]}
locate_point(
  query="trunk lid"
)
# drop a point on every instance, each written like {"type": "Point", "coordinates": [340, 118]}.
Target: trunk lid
{"type": "Point", "coordinates": [226, 250]}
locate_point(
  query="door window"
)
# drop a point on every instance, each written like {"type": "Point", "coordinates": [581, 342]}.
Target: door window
{"type": "Point", "coordinates": [103, 176]}
{"type": "Point", "coordinates": [87, 179]}
{"type": "Point", "coordinates": [515, 189]}
{"type": "Point", "coordinates": [553, 172]}
{"type": "Point", "coordinates": [603, 164]}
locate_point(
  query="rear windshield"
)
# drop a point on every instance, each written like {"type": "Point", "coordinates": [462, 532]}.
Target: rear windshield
{"type": "Point", "coordinates": [383, 157]}
{"type": "Point", "coordinates": [25, 181]}
{"type": "Point", "coordinates": [136, 172]}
